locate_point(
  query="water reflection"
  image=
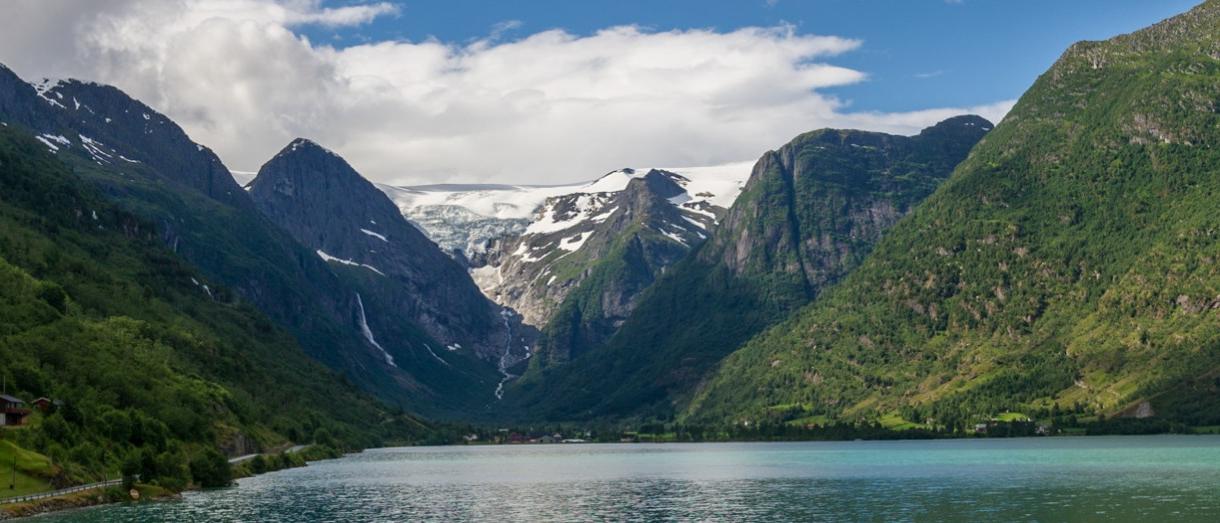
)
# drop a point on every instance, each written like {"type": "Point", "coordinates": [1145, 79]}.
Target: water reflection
{"type": "Point", "coordinates": [1086, 479]}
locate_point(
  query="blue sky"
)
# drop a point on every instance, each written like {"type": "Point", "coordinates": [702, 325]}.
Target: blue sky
{"type": "Point", "coordinates": [917, 53]}
{"type": "Point", "coordinates": [553, 91]}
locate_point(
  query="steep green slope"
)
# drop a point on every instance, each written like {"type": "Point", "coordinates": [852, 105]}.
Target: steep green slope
{"type": "Point", "coordinates": [809, 213]}
{"type": "Point", "coordinates": [148, 165]}
{"type": "Point", "coordinates": [153, 365]}
{"type": "Point", "coordinates": [1071, 260]}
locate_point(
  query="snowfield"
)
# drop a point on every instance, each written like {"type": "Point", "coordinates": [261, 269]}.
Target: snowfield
{"type": "Point", "coordinates": [465, 217]}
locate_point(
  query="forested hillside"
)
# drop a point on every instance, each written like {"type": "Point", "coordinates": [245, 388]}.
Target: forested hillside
{"type": "Point", "coordinates": [146, 164]}
{"type": "Point", "coordinates": [1069, 264]}
{"type": "Point", "coordinates": [808, 215]}
{"type": "Point", "coordinates": [153, 362]}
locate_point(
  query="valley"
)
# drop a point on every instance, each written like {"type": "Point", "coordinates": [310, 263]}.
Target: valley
{"type": "Point", "coordinates": [1055, 272]}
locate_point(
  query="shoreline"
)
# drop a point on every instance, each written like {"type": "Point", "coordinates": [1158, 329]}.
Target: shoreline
{"type": "Point", "coordinates": [806, 440]}
{"type": "Point", "coordinates": [294, 457]}
{"type": "Point", "coordinates": [84, 500]}
{"type": "Point", "coordinates": [678, 433]}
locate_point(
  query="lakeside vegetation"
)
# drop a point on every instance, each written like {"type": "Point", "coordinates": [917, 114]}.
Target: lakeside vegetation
{"type": "Point", "coordinates": [1006, 425]}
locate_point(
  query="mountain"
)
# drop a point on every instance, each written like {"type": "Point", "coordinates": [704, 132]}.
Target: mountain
{"type": "Point", "coordinates": [810, 212]}
{"type": "Point", "coordinates": [147, 165]}
{"type": "Point", "coordinates": [116, 131]}
{"type": "Point", "coordinates": [468, 218]}
{"type": "Point", "coordinates": [536, 270]}
{"type": "Point", "coordinates": [415, 302]}
{"type": "Point", "coordinates": [605, 253]}
{"type": "Point", "coordinates": [533, 248]}
{"type": "Point", "coordinates": [573, 259]}
{"type": "Point", "coordinates": [152, 360]}
{"type": "Point", "coordinates": [1068, 266]}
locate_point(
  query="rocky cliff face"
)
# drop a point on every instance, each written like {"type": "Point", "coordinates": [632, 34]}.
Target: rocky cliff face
{"type": "Point", "coordinates": [816, 205]}
{"type": "Point", "coordinates": [326, 205]}
{"type": "Point", "coordinates": [811, 211]}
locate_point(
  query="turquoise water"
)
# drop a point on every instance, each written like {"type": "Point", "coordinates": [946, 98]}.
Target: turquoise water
{"type": "Point", "coordinates": [1133, 478]}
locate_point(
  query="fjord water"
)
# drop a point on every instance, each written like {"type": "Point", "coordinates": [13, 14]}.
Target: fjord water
{"type": "Point", "coordinates": [1126, 478]}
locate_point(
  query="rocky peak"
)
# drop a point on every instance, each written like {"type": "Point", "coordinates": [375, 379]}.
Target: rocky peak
{"type": "Point", "coordinates": [107, 127]}
{"type": "Point", "coordinates": [783, 227]}
{"type": "Point", "coordinates": [969, 128]}
{"type": "Point", "coordinates": [663, 184]}
{"type": "Point", "coordinates": [653, 220]}
{"type": "Point", "coordinates": [325, 204]}
{"type": "Point", "coordinates": [304, 161]}
{"type": "Point", "coordinates": [306, 148]}
{"type": "Point", "coordinates": [647, 197]}
{"type": "Point", "coordinates": [17, 98]}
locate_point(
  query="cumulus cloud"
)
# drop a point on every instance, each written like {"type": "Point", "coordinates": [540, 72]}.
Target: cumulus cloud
{"type": "Point", "coordinates": [550, 107]}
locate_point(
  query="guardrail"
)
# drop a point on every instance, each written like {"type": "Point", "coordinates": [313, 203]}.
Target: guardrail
{"type": "Point", "coordinates": [61, 492]}
{"type": "Point", "coordinates": [289, 450]}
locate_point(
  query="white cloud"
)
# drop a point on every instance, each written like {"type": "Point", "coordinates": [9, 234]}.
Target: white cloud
{"type": "Point", "coordinates": [499, 29]}
{"type": "Point", "coordinates": [548, 108]}
{"type": "Point", "coordinates": [343, 16]}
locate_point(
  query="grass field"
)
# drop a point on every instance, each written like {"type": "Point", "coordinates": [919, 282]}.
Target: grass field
{"type": "Point", "coordinates": [33, 471]}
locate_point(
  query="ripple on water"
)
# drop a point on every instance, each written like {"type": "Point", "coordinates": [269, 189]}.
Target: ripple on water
{"type": "Point", "coordinates": [1094, 479]}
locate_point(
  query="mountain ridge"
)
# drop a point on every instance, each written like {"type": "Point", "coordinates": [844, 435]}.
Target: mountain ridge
{"type": "Point", "coordinates": [1063, 267]}
{"type": "Point", "coordinates": [147, 357]}
{"type": "Point", "coordinates": [824, 197]}
{"type": "Point", "coordinates": [146, 164]}
{"type": "Point", "coordinates": [455, 336]}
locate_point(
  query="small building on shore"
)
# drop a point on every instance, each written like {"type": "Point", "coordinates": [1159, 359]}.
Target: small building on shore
{"type": "Point", "coordinates": [12, 411]}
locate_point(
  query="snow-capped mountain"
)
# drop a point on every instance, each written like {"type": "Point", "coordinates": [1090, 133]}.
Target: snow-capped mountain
{"type": "Point", "coordinates": [530, 246]}
{"type": "Point", "coordinates": [466, 217]}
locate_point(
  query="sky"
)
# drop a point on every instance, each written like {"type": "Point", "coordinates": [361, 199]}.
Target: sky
{"type": "Point", "coordinates": [552, 91]}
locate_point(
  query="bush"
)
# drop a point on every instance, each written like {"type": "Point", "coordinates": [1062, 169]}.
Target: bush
{"type": "Point", "coordinates": [131, 470]}
{"type": "Point", "coordinates": [211, 469]}
{"type": "Point", "coordinates": [258, 465]}
{"type": "Point", "coordinates": [172, 471]}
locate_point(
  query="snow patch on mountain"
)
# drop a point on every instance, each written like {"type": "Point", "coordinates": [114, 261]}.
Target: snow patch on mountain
{"type": "Point", "coordinates": [465, 217]}
{"type": "Point", "coordinates": [379, 236]}
{"type": "Point", "coordinates": [573, 244]}
{"type": "Point", "coordinates": [328, 258]}
{"type": "Point", "coordinates": [50, 141]}
{"type": "Point", "coordinates": [587, 207]}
